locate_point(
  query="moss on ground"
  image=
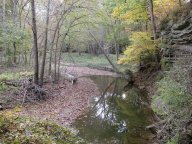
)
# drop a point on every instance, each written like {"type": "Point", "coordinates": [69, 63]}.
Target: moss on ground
{"type": "Point", "coordinates": [23, 130]}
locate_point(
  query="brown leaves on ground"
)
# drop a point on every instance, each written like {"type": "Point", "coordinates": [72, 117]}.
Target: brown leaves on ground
{"type": "Point", "coordinates": [67, 102]}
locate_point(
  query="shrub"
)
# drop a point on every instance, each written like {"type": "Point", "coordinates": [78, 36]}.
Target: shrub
{"type": "Point", "coordinates": [9, 76]}
{"type": "Point", "coordinates": [3, 87]}
{"type": "Point", "coordinates": [171, 94]}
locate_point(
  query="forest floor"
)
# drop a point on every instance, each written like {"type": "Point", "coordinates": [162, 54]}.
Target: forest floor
{"type": "Point", "coordinates": [66, 101]}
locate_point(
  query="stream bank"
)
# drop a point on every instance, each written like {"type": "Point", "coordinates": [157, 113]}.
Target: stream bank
{"type": "Point", "coordinates": [66, 101]}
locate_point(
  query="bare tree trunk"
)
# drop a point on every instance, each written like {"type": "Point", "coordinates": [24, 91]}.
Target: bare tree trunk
{"type": "Point", "coordinates": [115, 35]}
{"type": "Point", "coordinates": [157, 56]}
{"type": "Point", "coordinates": [25, 53]}
{"type": "Point", "coordinates": [59, 61]}
{"type": "Point", "coordinates": [36, 61]}
{"type": "Point", "coordinates": [21, 8]}
{"type": "Point", "coordinates": [15, 22]}
{"type": "Point", "coordinates": [14, 53]}
{"type": "Point", "coordinates": [57, 28]}
{"type": "Point", "coordinates": [116, 49]}
{"type": "Point", "coordinates": [45, 46]}
{"type": "Point", "coordinates": [152, 19]}
{"type": "Point", "coordinates": [60, 53]}
{"type": "Point", "coordinates": [55, 59]}
{"type": "Point", "coordinates": [52, 43]}
{"type": "Point", "coordinates": [106, 56]}
{"type": "Point", "coordinates": [3, 11]}
{"type": "Point", "coordinates": [51, 49]}
{"type": "Point", "coordinates": [15, 12]}
{"type": "Point", "coordinates": [180, 4]}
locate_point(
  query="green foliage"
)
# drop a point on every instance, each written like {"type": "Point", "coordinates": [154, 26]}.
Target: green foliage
{"type": "Point", "coordinates": [9, 35]}
{"type": "Point", "coordinates": [174, 91]}
{"type": "Point", "coordinates": [110, 4]}
{"type": "Point", "coordinates": [6, 76]}
{"type": "Point", "coordinates": [22, 130]}
{"type": "Point", "coordinates": [166, 64]}
{"type": "Point", "coordinates": [3, 87]}
{"type": "Point", "coordinates": [173, 98]}
{"type": "Point", "coordinates": [171, 93]}
{"type": "Point", "coordinates": [173, 141]}
{"type": "Point", "coordinates": [9, 76]}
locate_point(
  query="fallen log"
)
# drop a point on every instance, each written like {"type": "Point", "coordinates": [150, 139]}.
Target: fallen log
{"type": "Point", "coordinates": [18, 83]}
{"type": "Point", "coordinates": [70, 78]}
{"type": "Point", "coordinates": [101, 68]}
{"type": "Point", "coordinates": [156, 124]}
{"type": "Point", "coordinates": [13, 83]}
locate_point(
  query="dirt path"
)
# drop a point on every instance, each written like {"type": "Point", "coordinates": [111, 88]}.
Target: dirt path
{"type": "Point", "coordinates": [67, 101]}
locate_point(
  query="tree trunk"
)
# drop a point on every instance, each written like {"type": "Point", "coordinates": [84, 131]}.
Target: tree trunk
{"type": "Point", "coordinates": [34, 28]}
{"type": "Point", "coordinates": [14, 53]}
{"type": "Point", "coordinates": [45, 46]}
{"type": "Point", "coordinates": [51, 49]}
{"type": "Point", "coordinates": [15, 22]}
{"type": "Point", "coordinates": [116, 49]}
{"type": "Point", "coordinates": [25, 54]}
{"type": "Point", "coordinates": [152, 19]}
{"type": "Point", "coordinates": [3, 11]}
{"type": "Point", "coordinates": [60, 53]}
{"type": "Point", "coordinates": [15, 12]}
{"type": "Point", "coordinates": [52, 43]}
{"type": "Point", "coordinates": [106, 56]}
{"type": "Point", "coordinates": [180, 3]}
{"type": "Point", "coordinates": [55, 58]}
{"type": "Point", "coordinates": [157, 56]}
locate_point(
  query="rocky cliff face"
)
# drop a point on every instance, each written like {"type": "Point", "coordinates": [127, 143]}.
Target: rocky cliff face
{"type": "Point", "coordinates": [179, 31]}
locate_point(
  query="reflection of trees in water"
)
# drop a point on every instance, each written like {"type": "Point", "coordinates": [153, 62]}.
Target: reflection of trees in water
{"type": "Point", "coordinates": [117, 117]}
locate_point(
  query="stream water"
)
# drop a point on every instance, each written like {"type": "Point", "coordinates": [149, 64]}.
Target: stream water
{"type": "Point", "coordinates": [118, 115]}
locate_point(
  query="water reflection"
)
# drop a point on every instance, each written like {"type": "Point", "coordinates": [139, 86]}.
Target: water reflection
{"type": "Point", "coordinates": [118, 116]}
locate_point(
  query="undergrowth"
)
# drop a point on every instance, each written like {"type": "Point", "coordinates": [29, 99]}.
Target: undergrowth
{"type": "Point", "coordinates": [8, 76]}
{"type": "Point", "coordinates": [15, 129]}
{"type": "Point", "coordinates": [173, 102]}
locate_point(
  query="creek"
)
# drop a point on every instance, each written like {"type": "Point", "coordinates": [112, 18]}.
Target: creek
{"type": "Point", "coordinates": [119, 115]}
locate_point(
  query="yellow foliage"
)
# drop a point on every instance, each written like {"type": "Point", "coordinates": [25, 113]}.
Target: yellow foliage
{"type": "Point", "coordinates": [134, 11]}
{"type": "Point", "coordinates": [141, 43]}
{"type": "Point", "coordinates": [131, 12]}
{"type": "Point", "coordinates": [163, 7]}
{"type": "Point", "coordinates": [117, 11]}
{"type": "Point", "coordinates": [11, 113]}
